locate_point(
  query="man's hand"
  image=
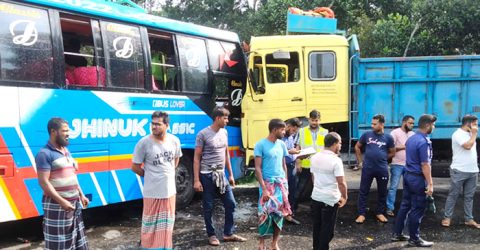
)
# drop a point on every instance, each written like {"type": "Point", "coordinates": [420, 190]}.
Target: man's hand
{"type": "Point", "coordinates": [429, 190]}
{"type": "Point", "coordinates": [197, 185]}
{"type": "Point", "coordinates": [474, 129]}
{"type": "Point", "coordinates": [293, 151]}
{"type": "Point", "coordinates": [298, 168]}
{"type": "Point", "coordinates": [67, 206]}
{"type": "Point", "coordinates": [232, 181]}
{"type": "Point", "coordinates": [265, 195]}
{"type": "Point", "coordinates": [342, 202]}
{"type": "Point", "coordinates": [85, 201]}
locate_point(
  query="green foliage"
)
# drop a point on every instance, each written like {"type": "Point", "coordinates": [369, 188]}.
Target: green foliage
{"type": "Point", "coordinates": [384, 27]}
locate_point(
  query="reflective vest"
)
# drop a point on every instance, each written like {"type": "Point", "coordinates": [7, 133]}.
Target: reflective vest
{"type": "Point", "coordinates": [306, 140]}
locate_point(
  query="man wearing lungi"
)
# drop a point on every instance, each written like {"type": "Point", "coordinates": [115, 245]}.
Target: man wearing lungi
{"type": "Point", "coordinates": [63, 199]}
{"type": "Point", "coordinates": [271, 169]}
{"type": "Point", "coordinates": [159, 153]}
{"type": "Point", "coordinates": [209, 163]}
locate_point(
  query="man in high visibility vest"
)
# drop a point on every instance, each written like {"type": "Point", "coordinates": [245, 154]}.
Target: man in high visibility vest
{"type": "Point", "coordinates": [311, 136]}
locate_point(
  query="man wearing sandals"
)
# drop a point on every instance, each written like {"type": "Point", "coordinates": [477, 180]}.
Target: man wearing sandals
{"type": "Point", "coordinates": [270, 170]}
{"type": "Point", "coordinates": [209, 163]}
{"type": "Point", "coordinates": [379, 147]}
{"type": "Point", "coordinates": [463, 171]}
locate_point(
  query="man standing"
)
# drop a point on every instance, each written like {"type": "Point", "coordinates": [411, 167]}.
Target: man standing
{"type": "Point", "coordinates": [463, 171]}
{"type": "Point", "coordinates": [270, 170]}
{"type": "Point", "coordinates": [312, 136]}
{"type": "Point", "coordinates": [379, 147]}
{"type": "Point", "coordinates": [291, 141]}
{"type": "Point", "coordinates": [400, 136]}
{"type": "Point", "coordinates": [417, 183]}
{"type": "Point", "coordinates": [159, 153]}
{"type": "Point", "coordinates": [209, 162]}
{"type": "Point", "coordinates": [62, 197]}
{"type": "Point", "coordinates": [329, 190]}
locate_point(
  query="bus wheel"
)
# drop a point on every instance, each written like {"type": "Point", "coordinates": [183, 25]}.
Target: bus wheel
{"type": "Point", "coordinates": [184, 182]}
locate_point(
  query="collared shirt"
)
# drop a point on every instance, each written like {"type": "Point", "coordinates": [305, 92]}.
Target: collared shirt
{"type": "Point", "coordinates": [290, 141]}
{"type": "Point", "coordinates": [400, 138]}
{"type": "Point", "coordinates": [62, 168]}
{"type": "Point", "coordinates": [418, 150]}
{"type": "Point", "coordinates": [326, 166]}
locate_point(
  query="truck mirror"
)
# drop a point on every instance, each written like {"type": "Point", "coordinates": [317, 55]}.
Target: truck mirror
{"type": "Point", "coordinates": [279, 54]}
{"type": "Point", "coordinates": [253, 81]}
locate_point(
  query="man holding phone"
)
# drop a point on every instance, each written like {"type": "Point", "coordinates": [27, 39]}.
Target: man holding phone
{"type": "Point", "coordinates": [463, 171]}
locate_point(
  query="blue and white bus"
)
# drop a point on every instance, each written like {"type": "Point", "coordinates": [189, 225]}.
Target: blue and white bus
{"type": "Point", "coordinates": [105, 66]}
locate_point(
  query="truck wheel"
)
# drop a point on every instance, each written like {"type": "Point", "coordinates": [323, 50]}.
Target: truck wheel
{"type": "Point", "coordinates": [184, 182]}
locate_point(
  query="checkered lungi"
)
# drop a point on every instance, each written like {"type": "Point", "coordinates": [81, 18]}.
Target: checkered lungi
{"type": "Point", "coordinates": [62, 229]}
{"type": "Point", "coordinates": [157, 223]}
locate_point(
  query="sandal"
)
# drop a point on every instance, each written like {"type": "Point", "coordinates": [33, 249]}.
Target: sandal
{"type": "Point", "coordinates": [213, 241]}
{"type": "Point", "coordinates": [233, 237]}
{"type": "Point", "coordinates": [472, 223]}
{"type": "Point", "coordinates": [381, 218]}
{"type": "Point", "coordinates": [360, 219]}
{"type": "Point", "coordinates": [446, 222]}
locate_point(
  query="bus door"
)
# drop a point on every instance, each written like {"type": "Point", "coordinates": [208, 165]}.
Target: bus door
{"type": "Point", "coordinates": [326, 79]}
{"type": "Point", "coordinates": [279, 91]}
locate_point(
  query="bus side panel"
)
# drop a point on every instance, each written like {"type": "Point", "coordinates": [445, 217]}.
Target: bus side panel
{"type": "Point", "coordinates": [447, 87]}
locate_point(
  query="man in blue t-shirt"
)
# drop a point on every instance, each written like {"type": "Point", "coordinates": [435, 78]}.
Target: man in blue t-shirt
{"type": "Point", "coordinates": [417, 183]}
{"type": "Point", "coordinates": [379, 147]}
{"type": "Point", "coordinates": [270, 169]}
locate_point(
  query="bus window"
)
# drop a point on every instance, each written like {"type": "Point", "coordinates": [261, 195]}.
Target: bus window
{"type": "Point", "coordinates": [79, 52]}
{"type": "Point", "coordinates": [124, 55]}
{"type": "Point", "coordinates": [25, 44]}
{"type": "Point", "coordinates": [164, 66]}
{"type": "Point", "coordinates": [194, 64]}
{"type": "Point", "coordinates": [322, 66]}
{"type": "Point", "coordinates": [282, 70]}
{"type": "Point", "coordinates": [226, 57]}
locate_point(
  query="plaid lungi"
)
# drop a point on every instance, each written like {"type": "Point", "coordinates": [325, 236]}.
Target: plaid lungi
{"type": "Point", "coordinates": [62, 229]}
{"type": "Point", "coordinates": [157, 223]}
{"type": "Point", "coordinates": [271, 212]}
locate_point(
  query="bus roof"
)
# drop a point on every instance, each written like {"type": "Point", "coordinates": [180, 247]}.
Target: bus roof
{"type": "Point", "coordinates": [132, 14]}
{"type": "Point", "coordinates": [276, 42]}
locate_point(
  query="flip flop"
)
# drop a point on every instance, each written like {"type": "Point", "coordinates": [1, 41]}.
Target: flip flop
{"type": "Point", "coordinates": [233, 237]}
{"type": "Point", "coordinates": [213, 241]}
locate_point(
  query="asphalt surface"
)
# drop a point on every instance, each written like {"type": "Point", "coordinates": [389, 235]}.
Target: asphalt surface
{"type": "Point", "coordinates": [118, 226]}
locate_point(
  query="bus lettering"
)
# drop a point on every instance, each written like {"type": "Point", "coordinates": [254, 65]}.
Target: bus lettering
{"type": "Point", "coordinates": [183, 128]}
{"type": "Point", "coordinates": [28, 37]}
{"type": "Point", "coordinates": [103, 128]}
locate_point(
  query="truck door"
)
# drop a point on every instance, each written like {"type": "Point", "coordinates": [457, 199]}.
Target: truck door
{"type": "Point", "coordinates": [326, 82]}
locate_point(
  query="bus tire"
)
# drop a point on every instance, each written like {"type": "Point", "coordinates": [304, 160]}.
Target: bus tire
{"type": "Point", "coordinates": [184, 182]}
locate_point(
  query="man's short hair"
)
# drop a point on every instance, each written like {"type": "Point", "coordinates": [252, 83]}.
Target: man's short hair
{"type": "Point", "coordinates": [405, 118]}
{"type": "Point", "coordinates": [161, 114]}
{"type": "Point", "coordinates": [331, 138]}
{"type": "Point", "coordinates": [294, 122]}
{"type": "Point", "coordinates": [55, 124]}
{"type": "Point", "coordinates": [426, 120]}
{"type": "Point", "coordinates": [314, 114]}
{"type": "Point", "coordinates": [275, 124]}
{"type": "Point", "coordinates": [380, 118]}
{"type": "Point", "coordinates": [469, 119]}
{"type": "Point", "coordinates": [220, 112]}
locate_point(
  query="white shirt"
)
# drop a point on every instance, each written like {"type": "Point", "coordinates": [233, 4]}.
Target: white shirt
{"type": "Point", "coordinates": [463, 160]}
{"type": "Point", "coordinates": [325, 167]}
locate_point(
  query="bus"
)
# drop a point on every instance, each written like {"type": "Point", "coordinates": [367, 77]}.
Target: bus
{"type": "Point", "coordinates": [105, 66]}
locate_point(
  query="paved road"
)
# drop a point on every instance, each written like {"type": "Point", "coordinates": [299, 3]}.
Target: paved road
{"type": "Point", "coordinates": [118, 227]}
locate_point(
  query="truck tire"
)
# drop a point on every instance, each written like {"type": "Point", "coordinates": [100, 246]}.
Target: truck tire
{"type": "Point", "coordinates": [184, 182]}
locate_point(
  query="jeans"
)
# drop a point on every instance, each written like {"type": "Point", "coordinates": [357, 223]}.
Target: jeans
{"type": "Point", "coordinates": [210, 191]}
{"type": "Point", "coordinates": [458, 181]}
{"type": "Point", "coordinates": [413, 205]}
{"type": "Point", "coordinates": [396, 172]}
{"type": "Point", "coordinates": [324, 217]}
{"type": "Point", "coordinates": [381, 176]}
{"type": "Point", "coordinates": [305, 185]}
{"type": "Point", "coordinates": [292, 185]}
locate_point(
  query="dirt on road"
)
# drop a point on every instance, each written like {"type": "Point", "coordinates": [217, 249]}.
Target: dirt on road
{"type": "Point", "coordinates": [118, 226]}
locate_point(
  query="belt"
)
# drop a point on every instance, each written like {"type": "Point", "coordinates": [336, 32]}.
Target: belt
{"type": "Point", "coordinates": [414, 173]}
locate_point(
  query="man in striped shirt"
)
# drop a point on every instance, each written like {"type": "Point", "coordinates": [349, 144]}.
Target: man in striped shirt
{"type": "Point", "coordinates": [63, 199]}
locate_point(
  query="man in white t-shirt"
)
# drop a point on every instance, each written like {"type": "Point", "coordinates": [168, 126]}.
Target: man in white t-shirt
{"type": "Point", "coordinates": [463, 171]}
{"type": "Point", "coordinates": [159, 153]}
{"type": "Point", "coordinates": [329, 190]}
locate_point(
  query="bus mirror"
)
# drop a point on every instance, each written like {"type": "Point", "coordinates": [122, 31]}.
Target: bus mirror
{"type": "Point", "coordinates": [279, 54]}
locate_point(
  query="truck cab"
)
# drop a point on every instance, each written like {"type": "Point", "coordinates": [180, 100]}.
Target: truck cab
{"type": "Point", "coordinates": [291, 75]}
